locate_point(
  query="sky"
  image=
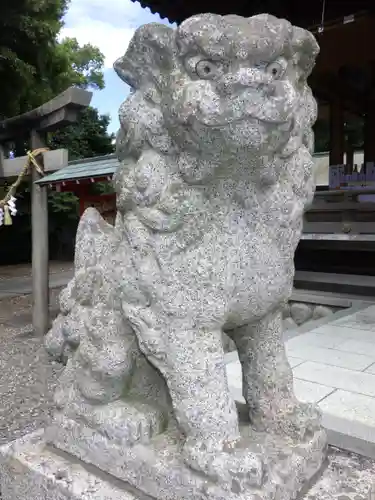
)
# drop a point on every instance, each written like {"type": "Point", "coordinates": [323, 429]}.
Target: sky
{"type": "Point", "coordinates": [108, 25]}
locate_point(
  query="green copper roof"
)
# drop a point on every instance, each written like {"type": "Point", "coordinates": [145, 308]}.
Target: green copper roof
{"type": "Point", "coordinates": [99, 166]}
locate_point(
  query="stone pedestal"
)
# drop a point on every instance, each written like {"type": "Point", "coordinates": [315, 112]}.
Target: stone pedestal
{"type": "Point", "coordinates": [158, 470]}
{"type": "Point", "coordinates": [30, 470]}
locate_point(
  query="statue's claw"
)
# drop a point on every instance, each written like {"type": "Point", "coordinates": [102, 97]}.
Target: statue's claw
{"type": "Point", "coordinates": [235, 468]}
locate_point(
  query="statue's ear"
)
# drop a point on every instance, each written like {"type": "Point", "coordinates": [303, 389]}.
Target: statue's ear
{"type": "Point", "coordinates": [150, 57]}
{"type": "Point", "coordinates": [306, 50]}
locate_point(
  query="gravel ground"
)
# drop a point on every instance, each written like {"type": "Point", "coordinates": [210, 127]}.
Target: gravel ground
{"type": "Point", "coordinates": [27, 376]}
{"type": "Point", "coordinates": [28, 379]}
{"type": "Point", "coordinates": [16, 312]}
{"type": "Point", "coordinates": [347, 477]}
{"type": "Point", "coordinates": [24, 270]}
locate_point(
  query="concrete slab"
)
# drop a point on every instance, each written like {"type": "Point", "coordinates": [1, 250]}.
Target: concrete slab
{"type": "Point", "coordinates": [236, 393]}
{"type": "Point", "coordinates": [345, 332]}
{"type": "Point", "coordinates": [363, 320]}
{"type": "Point", "coordinates": [330, 298]}
{"type": "Point", "coordinates": [368, 312]}
{"type": "Point", "coordinates": [295, 361]}
{"type": "Point", "coordinates": [315, 340]}
{"type": "Point", "coordinates": [332, 357]}
{"type": "Point", "coordinates": [353, 445]}
{"type": "Point", "coordinates": [333, 282]}
{"type": "Point", "coordinates": [309, 392]}
{"type": "Point", "coordinates": [356, 346]}
{"type": "Point", "coordinates": [337, 372]}
{"type": "Point", "coordinates": [348, 416]}
{"type": "Point", "coordinates": [340, 378]}
{"type": "Point", "coordinates": [234, 374]}
{"type": "Point", "coordinates": [355, 324]}
{"type": "Point", "coordinates": [370, 369]}
{"type": "Point", "coordinates": [350, 413]}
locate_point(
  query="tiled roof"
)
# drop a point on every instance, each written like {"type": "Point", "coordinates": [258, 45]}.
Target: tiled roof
{"type": "Point", "coordinates": [302, 14]}
{"type": "Point", "coordinates": [99, 166]}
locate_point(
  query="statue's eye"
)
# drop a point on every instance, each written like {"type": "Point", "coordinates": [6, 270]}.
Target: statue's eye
{"type": "Point", "coordinates": [206, 69]}
{"type": "Point", "coordinates": [275, 69]}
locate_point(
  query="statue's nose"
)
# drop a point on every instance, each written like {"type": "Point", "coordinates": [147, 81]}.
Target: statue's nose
{"type": "Point", "coordinates": [244, 78]}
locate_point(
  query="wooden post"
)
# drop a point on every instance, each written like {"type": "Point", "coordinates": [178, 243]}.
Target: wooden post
{"type": "Point", "coordinates": [2, 158]}
{"type": "Point", "coordinates": [349, 155]}
{"type": "Point", "coordinates": [61, 111]}
{"type": "Point", "coordinates": [337, 134]}
{"type": "Point", "coordinates": [369, 134]}
{"type": "Point", "coordinates": [39, 226]}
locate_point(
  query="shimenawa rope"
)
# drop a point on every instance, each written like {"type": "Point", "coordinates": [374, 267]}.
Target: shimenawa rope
{"type": "Point", "coordinates": [8, 203]}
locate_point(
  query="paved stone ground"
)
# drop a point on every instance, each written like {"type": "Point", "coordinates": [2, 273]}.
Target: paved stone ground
{"type": "Point", "coordinates": [333, 366]}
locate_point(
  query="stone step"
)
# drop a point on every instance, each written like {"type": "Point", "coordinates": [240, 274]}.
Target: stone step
{"type": "Point", "coordinates": [337, 283]}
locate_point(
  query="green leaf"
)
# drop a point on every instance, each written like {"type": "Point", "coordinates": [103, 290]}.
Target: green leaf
{"type": "Point", "coordinates": [34, 65]}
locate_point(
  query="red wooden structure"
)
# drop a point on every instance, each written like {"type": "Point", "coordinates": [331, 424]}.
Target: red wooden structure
{"type": "Point", "coordinates": [80, 176]}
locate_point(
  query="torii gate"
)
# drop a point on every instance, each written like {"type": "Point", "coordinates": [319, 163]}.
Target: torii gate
{"type": "Point", "coordinates": [33, 125]}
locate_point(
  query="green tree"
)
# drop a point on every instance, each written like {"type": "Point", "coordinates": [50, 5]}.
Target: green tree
{"type": "Point", "coordinates": [86, 138]}
{"type": "Point", "coordinates": [29, 58]}
{"type": "Point", "coordinates": [34, 65]}
{"type": "Point", "coordinates": [84, 65]}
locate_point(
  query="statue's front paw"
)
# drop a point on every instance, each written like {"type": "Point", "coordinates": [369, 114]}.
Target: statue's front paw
{"type": "Point", "coordinates": [296, 420]}
{"type": "Point", "coordinates": [303, 420]}
{"type": "Point", "coordinates": [236, 469]}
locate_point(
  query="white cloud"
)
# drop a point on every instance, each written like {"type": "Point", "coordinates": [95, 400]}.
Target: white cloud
{"type": "Point", "coordinates": [107, 25]}
{"type": "Point", "coordinates": [110, 40]}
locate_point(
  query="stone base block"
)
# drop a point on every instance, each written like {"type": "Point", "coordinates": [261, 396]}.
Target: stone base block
{"type": "Point", "coordinates": [88, 469]}
{"type": "Point", "coordinates": [30, 470]}
{"type": "Point", "coordinates": [156, 468]}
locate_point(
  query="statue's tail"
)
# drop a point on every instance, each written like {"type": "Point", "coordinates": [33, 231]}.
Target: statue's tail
{"type": "Point", "coordinates": [95, 238]}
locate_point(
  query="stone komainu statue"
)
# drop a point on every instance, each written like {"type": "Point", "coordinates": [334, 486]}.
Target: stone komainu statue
{"type": "Point", "coordinates": [215, 172]}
